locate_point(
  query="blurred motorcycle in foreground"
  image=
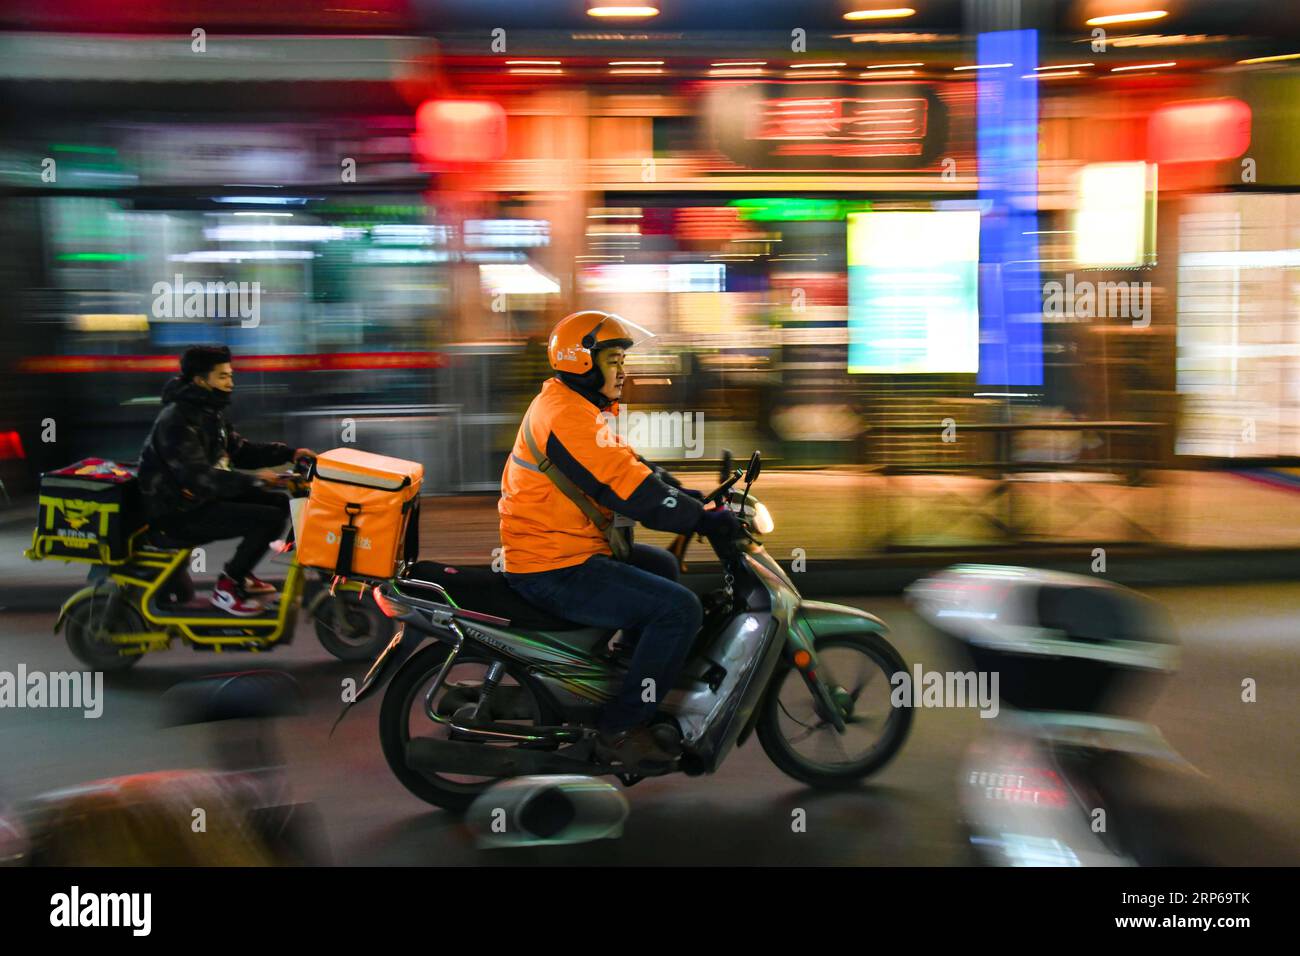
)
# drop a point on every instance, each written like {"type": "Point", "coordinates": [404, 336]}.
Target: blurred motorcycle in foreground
{"type": "Point", "coordinates": [239, 813]}
{"type": "Point", "coordinates": [1069, 774]}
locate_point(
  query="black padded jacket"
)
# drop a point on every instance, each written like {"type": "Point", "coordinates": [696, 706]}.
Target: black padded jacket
{"type": "Point", "coordinates": [187, 458]}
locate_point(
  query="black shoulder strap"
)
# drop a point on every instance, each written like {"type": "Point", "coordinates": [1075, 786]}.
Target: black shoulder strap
{"type": "Point", "coordinates": [617, 540]}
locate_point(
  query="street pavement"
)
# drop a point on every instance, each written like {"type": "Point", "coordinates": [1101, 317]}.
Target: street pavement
{"type": "Point", "coordinates": [906, 815]}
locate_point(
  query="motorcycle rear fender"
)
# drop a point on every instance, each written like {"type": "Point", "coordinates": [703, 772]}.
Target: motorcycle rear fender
{"type": "Point", "coordinates": [415, 628]}
{"type": "Point", "coordinates": [82, 595]}
{"type": "Point", "coordinates": [385, 667]}
{"type": "Point", "coordinates": [390, 661]}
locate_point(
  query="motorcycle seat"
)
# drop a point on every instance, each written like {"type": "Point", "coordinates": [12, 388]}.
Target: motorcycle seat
{"type": "Point", "coordinates": [486, 591]}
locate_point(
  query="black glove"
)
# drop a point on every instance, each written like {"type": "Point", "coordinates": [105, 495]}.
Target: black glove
{"type": "Point", "coordinates": [663, 474]}
{"type": "Point", "coordinates": [720, 524]}
{"type": "Point", "coordinates": [692, 493]}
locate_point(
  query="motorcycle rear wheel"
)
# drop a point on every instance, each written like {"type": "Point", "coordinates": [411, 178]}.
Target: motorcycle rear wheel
{"type": "Point", "coordinates": [404, 700]}
{"type": "Point", "coordinates": [775, 723]}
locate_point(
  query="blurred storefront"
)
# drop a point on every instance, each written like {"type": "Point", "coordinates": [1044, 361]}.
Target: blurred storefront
{"type": "Point", "coordinates": [810, 239]}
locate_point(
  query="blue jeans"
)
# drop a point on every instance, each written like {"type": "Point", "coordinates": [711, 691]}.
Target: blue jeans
{"type": "Point", "coordinates": [643, 598]}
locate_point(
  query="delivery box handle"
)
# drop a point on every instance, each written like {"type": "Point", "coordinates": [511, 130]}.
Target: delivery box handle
{"type": "Point", "coordinates": [347, 539]}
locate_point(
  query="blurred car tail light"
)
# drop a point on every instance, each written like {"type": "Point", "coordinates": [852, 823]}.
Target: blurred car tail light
{"type": "Point", "coordinates": [11, 446]}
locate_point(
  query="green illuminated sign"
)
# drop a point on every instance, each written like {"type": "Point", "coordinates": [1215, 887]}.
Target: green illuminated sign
{"type": "Point", "coordinates": [793, 209]}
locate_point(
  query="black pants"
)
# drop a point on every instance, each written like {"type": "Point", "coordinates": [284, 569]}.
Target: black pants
{"type": "Point", "coordinates": [258, 516]}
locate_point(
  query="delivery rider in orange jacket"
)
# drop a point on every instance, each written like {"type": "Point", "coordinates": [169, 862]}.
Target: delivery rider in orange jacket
{"type": "Point", "coordinates": [567, 481]}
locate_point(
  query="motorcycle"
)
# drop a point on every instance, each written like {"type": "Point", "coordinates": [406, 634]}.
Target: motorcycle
{"type": "Point", "coordinates": [1056, 778]}
{"type": "Point", "coordinates": [144, 603]}
{"type": "Point", "coordinates": [504, 689]}
{"type": "Point", "coordinates": [250, 814]}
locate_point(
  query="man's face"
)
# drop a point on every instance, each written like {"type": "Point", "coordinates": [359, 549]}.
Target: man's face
{"type": "Point", "coordinates": [610, 362]}
{"type": "Point", "coordinates": [222, 378]}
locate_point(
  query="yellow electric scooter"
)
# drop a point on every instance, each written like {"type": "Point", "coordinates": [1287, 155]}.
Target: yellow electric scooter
{"type": "Point", "coordinates": [134, 608]}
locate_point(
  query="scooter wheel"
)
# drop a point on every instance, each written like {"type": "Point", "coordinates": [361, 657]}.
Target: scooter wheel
{"type": "Point", "coordinates": [351, 627]}
{"type": "Point", "coordinates": [85, 627]}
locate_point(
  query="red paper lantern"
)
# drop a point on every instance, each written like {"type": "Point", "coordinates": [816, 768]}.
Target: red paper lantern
{"type": "Point", "coordinates": [460, 131]}
{"type": "Point", "coordinates": [1199, 131]}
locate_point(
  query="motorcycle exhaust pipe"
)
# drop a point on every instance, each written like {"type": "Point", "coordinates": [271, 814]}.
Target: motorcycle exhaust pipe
{"type": "Point", "coordinates": [547, 811]}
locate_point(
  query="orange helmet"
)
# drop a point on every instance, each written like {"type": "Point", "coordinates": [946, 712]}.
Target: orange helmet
{"type": "Point", "coordinates": [577, 336]}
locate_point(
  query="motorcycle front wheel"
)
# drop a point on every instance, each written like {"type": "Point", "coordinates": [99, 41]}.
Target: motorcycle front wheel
{"type": "Point", "coordinates": [805, 745]}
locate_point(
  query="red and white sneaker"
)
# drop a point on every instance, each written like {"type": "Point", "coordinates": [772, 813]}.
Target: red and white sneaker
{"type": "Point", "coordinates": [255, 585]}
{"type": "Point", "coordinates": [226, 595]}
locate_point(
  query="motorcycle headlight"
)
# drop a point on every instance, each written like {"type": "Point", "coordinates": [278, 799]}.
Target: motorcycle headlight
{"type": "Point", "coordinates": [763, 522]}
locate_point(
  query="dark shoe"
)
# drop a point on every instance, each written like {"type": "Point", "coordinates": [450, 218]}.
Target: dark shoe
{"type": "Point", "coordinates": [640, 748]}
{"type": "Point", "coordinates": [229, 597]}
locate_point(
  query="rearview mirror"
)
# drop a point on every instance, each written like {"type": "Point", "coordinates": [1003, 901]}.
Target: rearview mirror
{"type": "Point", "coordinates": [727, 464]}
{"type": "Point", "coordinates": [755, 465]}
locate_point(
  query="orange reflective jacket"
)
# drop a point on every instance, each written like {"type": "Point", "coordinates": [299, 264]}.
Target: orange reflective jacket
{"type": "Point", "coordinates": [541, 529]}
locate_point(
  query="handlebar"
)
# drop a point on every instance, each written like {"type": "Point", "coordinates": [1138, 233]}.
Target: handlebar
{"type": "Point", "coordinates": [716, 494]}
{"type": "Point", "coordinates": [298, 480]}
{"type": "Point", "coordinates": [718, 497]}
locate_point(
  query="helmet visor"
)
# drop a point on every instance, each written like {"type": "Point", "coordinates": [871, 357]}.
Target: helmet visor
{"type": "Point", "coordinates": [616, 329]}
